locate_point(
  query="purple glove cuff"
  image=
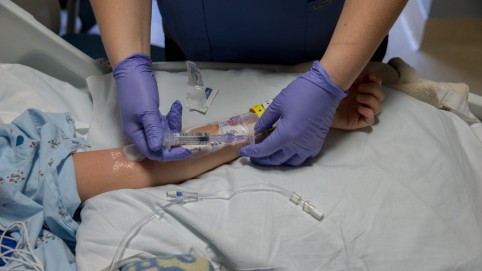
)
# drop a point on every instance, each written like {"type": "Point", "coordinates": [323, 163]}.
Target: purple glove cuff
{"type": "Point", "coordinates": [127, 63]}
{"type": "Point", "coordinates": [320, 77]}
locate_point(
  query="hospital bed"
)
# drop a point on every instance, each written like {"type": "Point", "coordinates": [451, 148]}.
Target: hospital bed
{"type": "Point", "coordinates": [404, 194]}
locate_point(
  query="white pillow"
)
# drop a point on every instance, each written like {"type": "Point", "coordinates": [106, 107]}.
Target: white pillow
{"type": "Point", "coordinates": [23, 87]}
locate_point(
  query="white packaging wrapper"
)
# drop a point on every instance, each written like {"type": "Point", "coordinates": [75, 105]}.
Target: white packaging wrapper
{"type": "Point", "coordinates": [201, 99]}
{"type": "Point", "coordinates": [194, 74]}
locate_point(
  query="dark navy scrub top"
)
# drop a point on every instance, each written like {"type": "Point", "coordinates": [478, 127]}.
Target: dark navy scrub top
{"type": "Point", "coordinates": [254, 31]}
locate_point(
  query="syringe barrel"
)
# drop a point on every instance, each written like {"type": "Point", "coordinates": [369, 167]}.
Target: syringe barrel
{"type": "Point", "coordinates": [177, 139]}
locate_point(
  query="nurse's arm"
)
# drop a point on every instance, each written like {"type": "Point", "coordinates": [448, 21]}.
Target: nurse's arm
{"type": "Point", "coordinates": [124, 26]}
{"type": "Point", "coordinates": [360, 29]}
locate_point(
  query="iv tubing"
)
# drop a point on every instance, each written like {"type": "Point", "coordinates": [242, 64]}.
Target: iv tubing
{"type": "Point", "coordinates": [180, 197]}
{"type": "Point", "coordinates": [158, 212]}
{"type": "Point", "coordinates": [226, 194]}
{"type": "Point", "coordinates": [183, 197]}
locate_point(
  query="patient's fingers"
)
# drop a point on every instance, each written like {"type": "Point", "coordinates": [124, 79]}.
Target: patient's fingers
{"type": "Point", "coordinates": [372, 88]}
{"type": "Point", "coordinates": [371, 102]}
{"type": "Point", "coordinates": [368, 115]}
{"type": "Point", "coordinates": [374, 78]}
{"type": "Point", "coordinates": [371, 84]}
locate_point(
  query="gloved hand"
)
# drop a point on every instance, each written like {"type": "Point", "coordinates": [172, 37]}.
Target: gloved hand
{"type": "Point", "coordinates": [138, 100]}
{"type": "Point", "coordinates": [305, 109]}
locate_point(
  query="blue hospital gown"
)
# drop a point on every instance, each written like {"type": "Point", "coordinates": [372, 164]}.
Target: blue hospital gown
{"type": "Point", "coordinates": [38, 185]}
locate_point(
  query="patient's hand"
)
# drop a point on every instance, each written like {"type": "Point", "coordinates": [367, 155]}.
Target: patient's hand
{"type": "Point", "coordinates": [363, 102]}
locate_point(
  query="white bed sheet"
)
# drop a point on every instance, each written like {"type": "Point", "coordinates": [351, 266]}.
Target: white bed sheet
{"type": "Point", "coordinates": [405, 194]}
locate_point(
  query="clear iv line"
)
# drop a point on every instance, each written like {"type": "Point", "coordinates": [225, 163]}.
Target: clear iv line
{"type": "Point", "coordinates": [158, 212]}
{"type": "Point", "coordinates": [180, 197]}
{"type": "Point", "coordinates": [183, 197]}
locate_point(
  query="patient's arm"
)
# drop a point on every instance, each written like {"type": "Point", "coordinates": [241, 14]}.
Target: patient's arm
{"type": "Point", "coordinates": [106, 170]}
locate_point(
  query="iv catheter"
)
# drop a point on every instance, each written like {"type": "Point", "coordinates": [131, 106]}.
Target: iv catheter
{"type": "Point", "coordinates": [177, 139]}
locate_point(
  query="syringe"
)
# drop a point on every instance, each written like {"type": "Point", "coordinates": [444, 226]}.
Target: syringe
{"type": "Point", "coordinates": [178, 139]}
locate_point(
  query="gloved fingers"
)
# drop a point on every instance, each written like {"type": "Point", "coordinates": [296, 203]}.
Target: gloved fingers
{"type": "Point", "coordinates": [281, 157]}
{"type": "Point", "coordinates": [153, 129]}
{"type": "Point", "coordinates": [296, 160]}
{"type": "Point", "coordinates": [276, 159]}
{"type": "Point", "coordinates": [162, 154]}
{"type": "Point", "coordinates": [269, 117]}
{"type": "Point", "coordinates": [174, 154]}
{"type": "Point", "coordinates": [267, 147]}
{"type": "Point", "coordinates": [174, 117]}
{"type": "Point", "coordinates": [140, 142]}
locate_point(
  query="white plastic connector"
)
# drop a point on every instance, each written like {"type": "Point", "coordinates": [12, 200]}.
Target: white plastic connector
{"type": "Point", "coordinates": [171, 194]}
{"type": "Point", "coordinates": [306, 206]}
{"type": "Point", "coordinates": [179, 197]}
{"type": "Point", "coordinates": [295, 198]}
{"type": "Point", "coordinates": [311, 209]}
{"type": "Point", "coordinates": [180, 194]}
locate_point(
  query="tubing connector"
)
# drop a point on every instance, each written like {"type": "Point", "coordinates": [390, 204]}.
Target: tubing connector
{"type": "Point", "coordinates": [179, 197]}
{"type": "Point", "coordinates": [306, 206]}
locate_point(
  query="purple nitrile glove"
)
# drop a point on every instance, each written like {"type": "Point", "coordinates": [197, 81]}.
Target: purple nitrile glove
{"type": "Point", "coordinates": [305, 110]}
{"type": "Point", "coordinates": [138, 101]}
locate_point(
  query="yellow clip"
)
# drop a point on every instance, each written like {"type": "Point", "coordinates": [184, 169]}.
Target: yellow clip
{"type": "Point", "coordinates": [259, 108]}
